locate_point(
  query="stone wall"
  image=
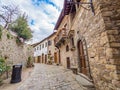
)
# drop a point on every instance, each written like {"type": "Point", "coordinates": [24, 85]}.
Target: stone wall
{"type": "Point", "coordinates": [52, 49]}
{"type": "Point", "coordinates": [15, 54]}
{"type": "Point", "coordinates": [101, 33]}
{"type": "Point", "coordinates": [111, 15]}
{"type": "Point", "coordinates": [65, 54]}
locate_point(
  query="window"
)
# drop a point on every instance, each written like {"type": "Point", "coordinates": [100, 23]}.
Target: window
{"type": "Point", "coordinates": [49, 42]}
{"type": "Point", "coordinates": [46, 44]}
{"type": "Point", "coordinates": [37, 48]}
{"type": "Point", "coordinates": [42, 45]}
{"type": "Point", "coordinates": [67, 48]}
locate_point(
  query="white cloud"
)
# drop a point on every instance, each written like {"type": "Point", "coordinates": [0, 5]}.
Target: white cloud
{"type": "Point", "coordinates": [44, 15]}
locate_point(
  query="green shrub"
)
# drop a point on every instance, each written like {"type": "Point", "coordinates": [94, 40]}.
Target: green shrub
{"type": "Point", "coordinates": [30, 62]}
{"type": "Point", "coordinates": [11, 37]}
{"type": "Point", "coordinates": [1, 80]}
{"type": "Point", "coordinates": [4, 67]}
{"type": "Point", "coordinates": [18, 41]}
{"type": "Point", "coordinates": [8, 36]}
{"type": "Point", "coordinates": [21, 28]}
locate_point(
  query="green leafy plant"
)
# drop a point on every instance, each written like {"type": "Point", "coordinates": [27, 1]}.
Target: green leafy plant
{"type": "Point", "coordinates": [30, 62]}
{"type": "Point", "coordinates": [4, 67]}
{"type": "Point", "coordinates": [50, 59]}
{"type": "Point", "coordinates": [18, 41]}
{"type": "Point", "coordinates": [1, 80]}
{"type": "Point", "coordinates": [21, 28]}
{"type": "Point", "coordinates": [8, 36]}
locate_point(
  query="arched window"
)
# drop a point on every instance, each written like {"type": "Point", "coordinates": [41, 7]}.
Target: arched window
{"type": "Point", "coordinates": [67, 48]}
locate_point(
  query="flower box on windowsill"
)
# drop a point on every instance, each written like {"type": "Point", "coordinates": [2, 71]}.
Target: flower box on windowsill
{"type": "Point", "coordinates": [73, 49]}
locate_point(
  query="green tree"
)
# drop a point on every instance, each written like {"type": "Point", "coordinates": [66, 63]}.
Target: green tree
{"type": "Point", "coordinates": [8, 13]}
{"type": "Point", "coordinates": [21, 28]}
{"type": "Point", "coordinates": [3, 66]}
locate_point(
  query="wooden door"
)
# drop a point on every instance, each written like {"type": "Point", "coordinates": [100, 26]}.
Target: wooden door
{"type": "Point", "coordinates": [55, 57]}
{"type": "Point", "coordinates": [82, 62]}
{"type": "Point", "coordinates": [38, 59]}
{"type": "Point", "coordinates": [45, 59]}
{"type": "Point", "coordinates": [42, 58]}
{"type": "Point", "coordinates": [68, 62]}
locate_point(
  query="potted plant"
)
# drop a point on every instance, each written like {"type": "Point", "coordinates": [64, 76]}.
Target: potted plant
{"type": "Point", "coordinates": [73, 48]}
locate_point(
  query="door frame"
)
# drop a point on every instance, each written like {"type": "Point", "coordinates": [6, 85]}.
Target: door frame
{"type": "Point", "coordinates": [85, 55]}
{"type": "Point", "coordinates": [68, 62]}
{"type": "Point", "coordinates": [55, 57]}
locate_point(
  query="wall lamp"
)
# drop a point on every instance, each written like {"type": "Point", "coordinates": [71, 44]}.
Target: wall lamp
{"type": "Point", "coordinates": [90, 3]}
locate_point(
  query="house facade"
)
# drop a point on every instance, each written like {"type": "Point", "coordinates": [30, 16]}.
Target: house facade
{"type": "Point", "coordinates": [40, 51]}
{"type": "Point", "coordinates": [52, 50]}
{"type": "Point", "coordinates": [45, 50]}
{"type": "Point", "coordinates": [88, 39]}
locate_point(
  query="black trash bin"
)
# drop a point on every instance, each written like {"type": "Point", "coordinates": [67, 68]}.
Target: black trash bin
{"type": "Point", "coordinates": [16, 73]}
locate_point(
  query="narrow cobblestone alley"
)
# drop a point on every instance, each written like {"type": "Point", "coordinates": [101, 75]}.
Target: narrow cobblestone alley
{"type": "Point", "coordinates": [49, 77]}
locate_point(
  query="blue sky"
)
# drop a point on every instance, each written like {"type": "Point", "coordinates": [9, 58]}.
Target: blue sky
{"type": "Point", "coordinates": [42, 15]}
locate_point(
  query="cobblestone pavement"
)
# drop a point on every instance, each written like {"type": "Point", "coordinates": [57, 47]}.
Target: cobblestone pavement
{"type": "Point", "coordinates": [49, 77]}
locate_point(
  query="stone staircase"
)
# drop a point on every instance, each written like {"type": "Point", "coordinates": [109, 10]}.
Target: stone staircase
{"type": "Point", "coordinates": [85, 82]}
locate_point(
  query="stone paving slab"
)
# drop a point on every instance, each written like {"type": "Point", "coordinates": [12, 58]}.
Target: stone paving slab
{"type": "Point", "coordinates": [49, 77]}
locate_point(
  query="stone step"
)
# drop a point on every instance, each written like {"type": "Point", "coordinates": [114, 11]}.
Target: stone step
{"type": "Point", "coordinates": [85, 82]}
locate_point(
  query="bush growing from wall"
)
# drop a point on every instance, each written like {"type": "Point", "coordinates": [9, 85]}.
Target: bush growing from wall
{"type": "Point", "coordinates": [4, 68]}
{"type": "Point", "coordinates": [21, 28]}
{"type": "Point", "coordinates": [8, 36]}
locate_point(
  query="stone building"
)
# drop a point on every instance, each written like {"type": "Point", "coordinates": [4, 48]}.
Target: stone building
{"type": "Point", "coordinates": [40, 51]}
{"type": "Point", "coordinates": [52, 50]}
{"type": "Point", "coordinates": [88, 39]}
{"type": "Point", "coordinates": [45, 50]}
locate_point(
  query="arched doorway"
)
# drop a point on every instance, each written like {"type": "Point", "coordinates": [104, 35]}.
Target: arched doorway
{"type": "Point", "coordinates": [38, 59]}
{"type": "Point", "coordinates": [55, 57]}
{"type": "Point", "coordinates": [83, 62]}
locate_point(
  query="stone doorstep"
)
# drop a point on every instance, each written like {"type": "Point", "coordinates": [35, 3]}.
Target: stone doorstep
{"type": "Point", "coordinates": [84, 82]}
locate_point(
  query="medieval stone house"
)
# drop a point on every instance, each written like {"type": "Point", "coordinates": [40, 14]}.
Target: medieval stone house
{"type": "Point", "coordinates": [40, 51]}
{"type": "Point", "coordinates": [45, 50]}
{"type": "Point", "coordinates": [88, 39]}
{"type": "Point", "coordinates": [52, 50]}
